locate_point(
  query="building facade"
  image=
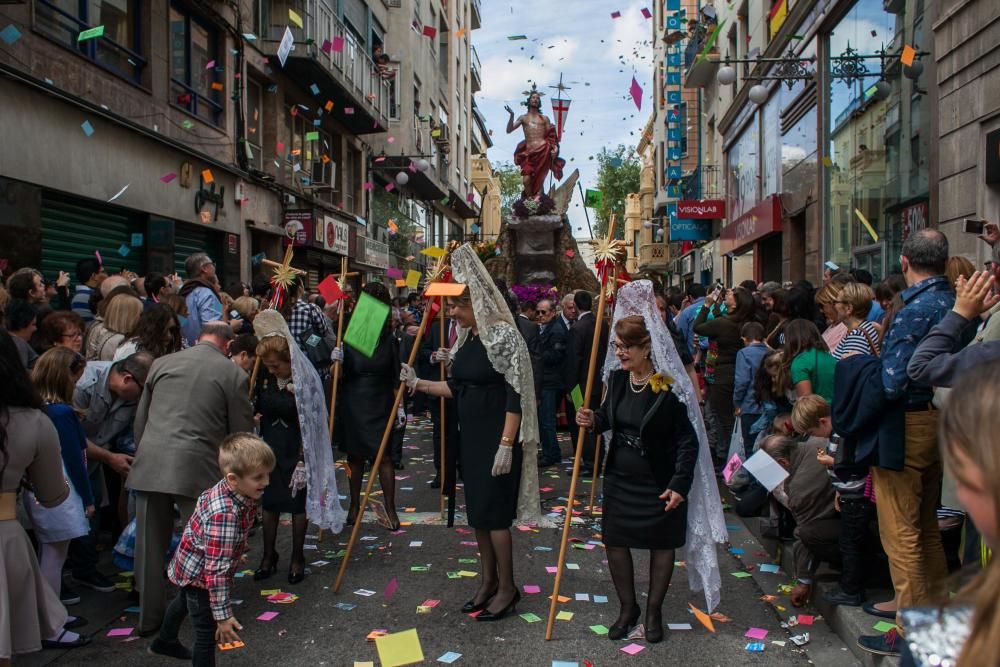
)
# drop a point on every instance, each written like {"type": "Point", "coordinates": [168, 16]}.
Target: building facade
{"type": "Point", "coordinates": [146, 130]}
{"type": "Point", "coordinates": [819, 119]}
{"type": "Point", "coordinates": [966, 43]}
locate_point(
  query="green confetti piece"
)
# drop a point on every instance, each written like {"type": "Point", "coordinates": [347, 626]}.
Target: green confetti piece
{"type": "Point", "coordinates": [577, 397]}
{"type": "Point", "coordinates": [91, 33]}
{"type": "Point", "coordinates": [531, 618]}
{"type": "Point", "coordinates": [515, 38]}
{"type": "Point", "coordinates": [884, 626]}
{"type": "Point", "coordinates": [741, 575]}
{"type": "Point", "coordinates": [599, 629]}
{"type": "Point", "coordinates": [711, 41]}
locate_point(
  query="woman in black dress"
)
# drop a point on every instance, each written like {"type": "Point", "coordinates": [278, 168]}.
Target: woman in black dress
{"type": "Point", "coordinates": [490, 420]}
{"type": "Point", "coordinates": [649, 471]}
{"type": "Point", "coordinates": [279, 427]}
{"type": "Point", "coordinates": [364, 407]}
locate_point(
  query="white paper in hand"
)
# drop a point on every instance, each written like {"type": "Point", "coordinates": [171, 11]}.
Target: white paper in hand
{"type": "Point", "coordinates": [767, 471]}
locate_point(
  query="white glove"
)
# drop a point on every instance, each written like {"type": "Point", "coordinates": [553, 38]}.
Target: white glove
{"type": "Point", "coordinates": [503, 460]}
{"type": "Point", "coordinates": [441, 354]}
{"type": "Point", "coordinates": [409, 376]}
{"type": "Point", "coordinates": [400, 418]}
{"type": "Point", "coordinates": [337, 355]}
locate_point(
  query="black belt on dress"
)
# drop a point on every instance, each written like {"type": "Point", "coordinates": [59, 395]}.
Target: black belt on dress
{"type": "Point", "coordinates": [631, 441]}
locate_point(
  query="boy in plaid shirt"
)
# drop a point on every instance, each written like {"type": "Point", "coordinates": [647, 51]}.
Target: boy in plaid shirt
{"type": "Point", "coordinates": [210, 549]}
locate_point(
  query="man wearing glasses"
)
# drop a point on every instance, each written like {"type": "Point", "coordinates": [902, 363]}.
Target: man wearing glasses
{"type": "Point", "coordinates": [200, 291]}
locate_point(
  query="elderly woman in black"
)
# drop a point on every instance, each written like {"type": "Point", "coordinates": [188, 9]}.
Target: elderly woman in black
{"type": "Point", "coordinates": [491, 382]}
{"type": "Point", "coordinates": [659, 490]}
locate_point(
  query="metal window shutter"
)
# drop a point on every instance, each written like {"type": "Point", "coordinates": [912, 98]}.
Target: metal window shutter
{"type": "Point", "coordinates": [73, 230]}
{"type": "Point", "coordinates": [189, 239]}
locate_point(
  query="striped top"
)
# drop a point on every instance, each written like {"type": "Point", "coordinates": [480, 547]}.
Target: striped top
{"type": "Point", "coordinates": [855, 342]}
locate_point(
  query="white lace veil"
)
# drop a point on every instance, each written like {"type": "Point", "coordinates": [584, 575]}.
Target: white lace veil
{"type": "Point", "coordinates": [508, 355]}
{"type": "Point", "coordinates": [705, 523]}
{"type": "Point", "coordinates": [322, 498]}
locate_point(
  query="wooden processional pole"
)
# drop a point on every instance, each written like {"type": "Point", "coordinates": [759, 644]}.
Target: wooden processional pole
{"type": "Point", "coordinates": [581, 435]}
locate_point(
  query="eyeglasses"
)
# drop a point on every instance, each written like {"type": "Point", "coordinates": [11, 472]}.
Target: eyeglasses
{"type": "Point", "coordinates": [621, 347]}
{"type": "Point", "coordinates": [73, 334]}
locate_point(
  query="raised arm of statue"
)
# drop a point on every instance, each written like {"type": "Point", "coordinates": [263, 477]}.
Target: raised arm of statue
{"type": "Point", "coordinates": [511, 123]}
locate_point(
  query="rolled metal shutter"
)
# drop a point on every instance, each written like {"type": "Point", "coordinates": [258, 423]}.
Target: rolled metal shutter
{"type": "Point", "coordinates": [189, 239]}
{"type": "Point", "coordinates": [73, 230]}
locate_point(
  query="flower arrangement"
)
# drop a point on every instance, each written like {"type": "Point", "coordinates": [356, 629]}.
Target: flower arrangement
{"type": "Point", "coordinates": [534, 292]}
{"type": "Point", "coordinates": [660, 383]}
{"type": "Point", "coordinates": [540, 204]}
{"type": "Point", "coordinates": [486, 250]}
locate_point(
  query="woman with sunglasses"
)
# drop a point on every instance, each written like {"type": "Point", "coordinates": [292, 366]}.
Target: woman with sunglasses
{"type": "Point", "coordinates": [31, 615]}
{"type": "Point", "coordinates": [55, 375]}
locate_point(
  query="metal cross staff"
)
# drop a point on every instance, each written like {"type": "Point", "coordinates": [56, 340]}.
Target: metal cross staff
{"type": "Point", "coordinates": [606, 253]}
{"type": "Point", "coordinates": [284, 273]}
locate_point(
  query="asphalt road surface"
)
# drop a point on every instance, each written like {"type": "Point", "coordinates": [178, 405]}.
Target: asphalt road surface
{"type": "Point", "coordinates": [324, 628]}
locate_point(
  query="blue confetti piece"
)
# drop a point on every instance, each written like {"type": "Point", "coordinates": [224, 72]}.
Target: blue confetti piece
{"type": "Point", "coordinates": [10, 34]}
{"type": "Point", "coordinates": [317, 122]}
{"type": "Point", "coordinates": [730, 526]}
{"type": "Point", "coordinates": [137, 240]}
{"type": "Point", "coordinates": [601, 599]}
{"type": "Point", "coordinates": [449, 657]}
{"type": "Point", "coordinates": [737, 551]}
{"type": "Point", "coordinates": [769, 567]}
{"type": "Point", "coordinates": [315, 89]}
{"type": "Point", "coordinates": [124, 250]}
{"type": "Point", "coordinates": [755, 647]}
{"type": "Point", "coordinates": [87, 128]}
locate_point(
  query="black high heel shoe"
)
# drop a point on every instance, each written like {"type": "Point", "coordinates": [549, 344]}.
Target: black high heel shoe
{"type": "Point", "coordinates": [654, 631]}
{"type": "Point", "coordinates": [352, 515]}
{"type": "Point", "coordinates": [471, 607]}
{"type": "Point", "coordinates": [296, 577]}
{"type": "Point", "coordinates": [618, 631]}
{"type": "Point", "coordinates": [487, 615]}
{"type": "Point", "coordinates": [263, 572]}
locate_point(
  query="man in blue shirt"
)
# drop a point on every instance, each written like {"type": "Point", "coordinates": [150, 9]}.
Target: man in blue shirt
{"type": "Point", "coordinates": [685, 321]}
{"type": "Point", "coordinates": [200, 291]}
{"type": "Point", "coordinates": [908, 497]}
{"type": "Point", "coordinates": [89, 276]}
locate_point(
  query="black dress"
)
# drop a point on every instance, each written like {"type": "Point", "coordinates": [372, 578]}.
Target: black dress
{"type": "Point", "coordinates": [279, 428]}
{"type": "Point", "coordinates": [366, 396]}
{"type": "Point", "coordinates": [633, 514]}
{"type": "Point", "coordinates": [484, 398]}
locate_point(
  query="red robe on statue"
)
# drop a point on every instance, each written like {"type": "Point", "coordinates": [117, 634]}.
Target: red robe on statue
{"type": "Point", "coordinates": [537, 163]}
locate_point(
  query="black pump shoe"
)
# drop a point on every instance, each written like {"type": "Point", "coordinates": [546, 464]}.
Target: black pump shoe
{"type": "Point", "coordinates": [296, 577]}
{"type": "Point", "coordinates": [471, 607]}
{"type": "Point", "coordinates": [487, 615]}
{"type": "Point", "coordinates": [263, 572]}
{"type": "Point", "coordinates": [618, 631]}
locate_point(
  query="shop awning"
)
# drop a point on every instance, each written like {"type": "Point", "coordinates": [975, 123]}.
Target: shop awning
{"type": "Point", "coordinates": [421, 185]}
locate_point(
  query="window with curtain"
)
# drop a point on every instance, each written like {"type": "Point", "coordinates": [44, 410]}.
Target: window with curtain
{"type": "Point", "coordinates": [118, 50]}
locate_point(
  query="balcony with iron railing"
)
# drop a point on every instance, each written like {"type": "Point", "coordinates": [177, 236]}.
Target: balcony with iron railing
{"type": "Point", "coordinates": [328, 61]}
{"type": "Point", "coordinates": [700, 64]}
{"type": "Point", "coordinates": [477, 14]}
{"type": "Point", "coordinates": [476, 67]}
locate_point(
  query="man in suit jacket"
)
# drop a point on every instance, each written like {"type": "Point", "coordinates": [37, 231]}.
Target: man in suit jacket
{"type": "Point", "coordinates": [429, 359]}
{"type": "Point", "coordinates": [529, 331]}
{"type": "Point", "coordinates": [191, 401]}
{"type": "Point", "coordinates": [553, 344]}
{"type": "Point", "coordinates": [581, 342]}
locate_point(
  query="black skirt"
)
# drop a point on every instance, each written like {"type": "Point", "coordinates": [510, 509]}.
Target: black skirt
{"type": "Point", "coordinates": [633, 512]}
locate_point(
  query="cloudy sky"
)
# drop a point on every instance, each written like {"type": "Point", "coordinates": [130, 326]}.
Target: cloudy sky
{"type": "Point", "coordinates": [596, 54]}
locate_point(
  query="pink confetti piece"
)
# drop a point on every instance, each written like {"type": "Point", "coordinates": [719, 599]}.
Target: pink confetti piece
{"type": "Point", "coordinates": [337, 46]}
{"type": "Point", "coordinates": [210, 64]}
{"type": "Point", "coordinates": [632, 649]}
{"type": "Point", "coordinates": [805, 619]}
{"type": "Point", "coordinates": [756, 633]}
{"type": "Point", "coordinates": [166, 178]}
{"type": "Point", "coordinates": [635, 90]}
{"type": "Point", "coordinates": [551, 569]}
{"type": "Point", "coordinates": [646, 14]}
{"type": "Point", "coordinates": [616, 15]}
{"type": "Point", "coordinates": [268, 616]}
{"type": "Point", "coordinates": [120, 632]}
{"type": "Point", "coordinates": [390, 588]}
{"type": "Point", "coordinates": [532, 589]}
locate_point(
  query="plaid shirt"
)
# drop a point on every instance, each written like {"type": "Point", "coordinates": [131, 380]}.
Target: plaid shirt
{"type": "Point", "coordinates": [213, 542]}
{"type": "Point", "coordinates": [305, 320]}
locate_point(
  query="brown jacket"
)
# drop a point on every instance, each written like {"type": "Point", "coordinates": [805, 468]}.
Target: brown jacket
{"type": "Point", "coordinates": [192, 400]}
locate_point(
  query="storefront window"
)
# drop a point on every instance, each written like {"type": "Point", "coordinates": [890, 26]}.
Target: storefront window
{"type": "Point", "coordinates": [875, 157]}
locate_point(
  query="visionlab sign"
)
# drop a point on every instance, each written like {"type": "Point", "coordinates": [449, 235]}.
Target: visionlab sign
{"type": "Point", "coordinates": [701, 209]}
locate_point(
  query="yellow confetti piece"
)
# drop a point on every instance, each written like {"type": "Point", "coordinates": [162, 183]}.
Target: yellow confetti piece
{"type": "Point", "coordinates": [868, 225]}
{"type": "Point", "coordinates": [295, 18]}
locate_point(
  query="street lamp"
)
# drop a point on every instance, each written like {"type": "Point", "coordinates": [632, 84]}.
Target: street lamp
{"type": "Point", "coordinates": [726, 75]}
{"type": "Point", "coordinates": [758, 94]}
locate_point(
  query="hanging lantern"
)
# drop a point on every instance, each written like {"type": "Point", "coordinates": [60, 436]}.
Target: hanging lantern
{"type": "Point", "coordinates": [402, 178]}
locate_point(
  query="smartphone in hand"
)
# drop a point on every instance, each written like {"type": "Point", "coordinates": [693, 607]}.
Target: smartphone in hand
{"type": "Point", "coordinates": [972, 226]}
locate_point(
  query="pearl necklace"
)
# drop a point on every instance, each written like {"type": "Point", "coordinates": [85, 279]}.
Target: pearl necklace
{"type": "Point", "coordinates": [283, 382]}
{"type": "Point", "coordinates": [632, 382]}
